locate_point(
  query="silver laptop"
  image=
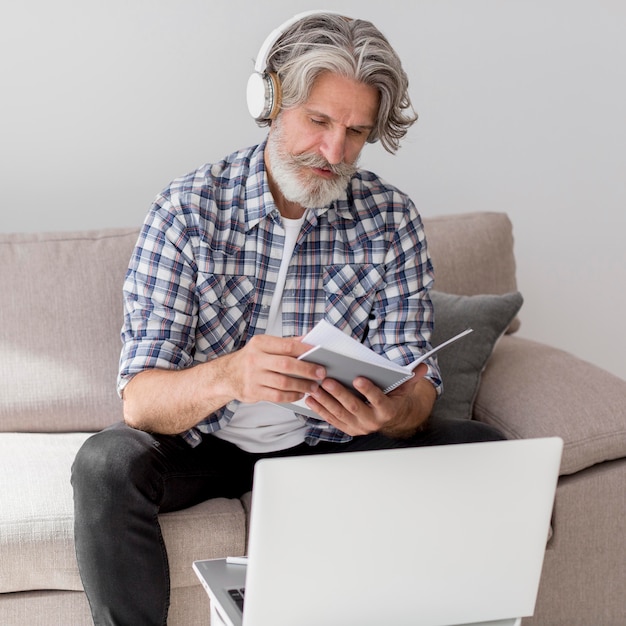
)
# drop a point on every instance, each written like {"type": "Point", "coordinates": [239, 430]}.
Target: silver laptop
{"type": "Point", "coordinates": [435, 536]}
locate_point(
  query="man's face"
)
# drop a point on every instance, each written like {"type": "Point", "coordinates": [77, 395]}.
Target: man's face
{"type": "Point", "coordinates": [313, 148]}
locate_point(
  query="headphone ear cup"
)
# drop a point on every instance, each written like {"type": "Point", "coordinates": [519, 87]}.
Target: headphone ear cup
{"type": "Point", "coordinates": [263, 96]}
{"type": "Point", "coordinates": [264, 91]}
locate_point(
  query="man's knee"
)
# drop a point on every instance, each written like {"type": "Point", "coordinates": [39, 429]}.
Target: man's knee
{"type": "Point", "coordinates": [444, 431]}
{"type": "Point", "coordinates": [109, 460]}
{"type": "Point", "coordinates": [472, 431]}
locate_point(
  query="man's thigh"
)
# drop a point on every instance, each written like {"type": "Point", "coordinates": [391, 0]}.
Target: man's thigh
{"type": "Point", "coordinates": [436, 432]}
{"type": "Point", "coordinates": [177, 474]}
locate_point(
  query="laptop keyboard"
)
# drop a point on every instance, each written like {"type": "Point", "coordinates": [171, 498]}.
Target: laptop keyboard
{"type": "Point", "coordinates": [237, 595]}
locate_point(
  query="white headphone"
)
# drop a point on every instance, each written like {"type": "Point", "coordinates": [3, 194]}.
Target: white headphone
{"type": "Point", "coordinates": [263, 91]}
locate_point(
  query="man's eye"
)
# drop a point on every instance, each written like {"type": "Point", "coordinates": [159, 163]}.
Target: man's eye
{"type": "Point", "coordinates": [318, 122]}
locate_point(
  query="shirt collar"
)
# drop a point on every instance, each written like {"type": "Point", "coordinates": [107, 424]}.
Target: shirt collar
{"type": "Point", "coordinates": [259, 201]}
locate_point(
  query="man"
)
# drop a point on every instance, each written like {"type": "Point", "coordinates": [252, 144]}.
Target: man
{"type": "Point", "coordinates": [235, 262]}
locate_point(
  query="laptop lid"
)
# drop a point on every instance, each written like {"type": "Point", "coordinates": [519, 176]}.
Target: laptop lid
{"type": "Point", "coordinates": [436, 536]}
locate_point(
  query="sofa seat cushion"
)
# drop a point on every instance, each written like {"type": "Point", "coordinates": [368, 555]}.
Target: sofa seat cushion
{"type": "Point", "coordinates": [36, 518]}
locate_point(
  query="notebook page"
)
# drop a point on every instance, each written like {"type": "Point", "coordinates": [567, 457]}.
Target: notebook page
{"type": "Point", "coordinates": [328, 336]}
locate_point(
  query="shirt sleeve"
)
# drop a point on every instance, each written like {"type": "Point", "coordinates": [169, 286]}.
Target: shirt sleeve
{"type": "Point", "coordinates": [160, 309]}
{"type": "Point", "coordinates": [404, 316]}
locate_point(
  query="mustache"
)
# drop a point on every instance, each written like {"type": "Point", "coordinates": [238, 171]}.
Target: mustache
{"type": "Point", "coordinates": [315, 160]}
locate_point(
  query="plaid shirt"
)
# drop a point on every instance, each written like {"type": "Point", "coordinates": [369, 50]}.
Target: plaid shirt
{"type": "Point", "coordinates": [201, 278]}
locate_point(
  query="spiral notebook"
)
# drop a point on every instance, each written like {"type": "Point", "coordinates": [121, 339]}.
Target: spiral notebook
{"type": "Point", "coordinates": [346, 359]}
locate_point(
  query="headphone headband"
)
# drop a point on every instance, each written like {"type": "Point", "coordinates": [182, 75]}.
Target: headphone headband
{"type": "Point", "coordinates": [263, 90]}
{"type": "Point", "coordinates": [274, 36]}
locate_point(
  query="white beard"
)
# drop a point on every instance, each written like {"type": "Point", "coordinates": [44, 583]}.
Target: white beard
{"type": "Point", "coordinates": [297, 184]}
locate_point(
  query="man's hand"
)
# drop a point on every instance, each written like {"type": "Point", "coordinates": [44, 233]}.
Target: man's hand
{"type": "Point", "coordinates": [397, 414]}
{"type": "Point", "coordinates": [267, 368]}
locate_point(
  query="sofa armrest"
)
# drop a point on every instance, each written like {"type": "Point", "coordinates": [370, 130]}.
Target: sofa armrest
{"type": "Point", "coordinates": [529, 389]}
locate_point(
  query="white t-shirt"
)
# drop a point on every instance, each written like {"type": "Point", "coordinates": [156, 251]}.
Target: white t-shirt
{"type": "Point", "coordinates": [262, 426]}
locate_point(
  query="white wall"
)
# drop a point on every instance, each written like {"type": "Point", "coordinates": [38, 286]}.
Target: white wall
{"type": "Point", "coordinates": [522, 109]}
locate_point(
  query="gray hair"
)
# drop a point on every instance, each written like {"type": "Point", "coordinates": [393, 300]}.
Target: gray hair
{"type": "Point", "coordinates": [351, 48]}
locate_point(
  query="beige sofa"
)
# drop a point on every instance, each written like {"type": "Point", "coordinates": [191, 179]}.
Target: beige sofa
{"type": "Point", "coordinates": [60, 316]}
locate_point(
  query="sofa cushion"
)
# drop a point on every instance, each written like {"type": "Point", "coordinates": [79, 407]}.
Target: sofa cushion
{"type": "Point", "coordinates": [485, 266]}
{"type": "Point", "coordinates": [36, 519]}
{"type": "Point", "coordinates": [60, 324]}
{"type": "Point", "coordinates": [462, 362]}
{"type": "Point", "coordinates": [473, 254]}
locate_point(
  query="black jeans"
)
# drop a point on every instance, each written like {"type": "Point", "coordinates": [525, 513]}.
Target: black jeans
{"type": "Point", "coordinates": [123, 478]}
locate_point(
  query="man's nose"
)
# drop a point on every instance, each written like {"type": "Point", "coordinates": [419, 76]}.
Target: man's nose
{"type": "Point", "coordinates": [333, 148]}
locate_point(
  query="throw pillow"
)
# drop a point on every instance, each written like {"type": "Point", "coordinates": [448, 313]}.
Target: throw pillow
{"type": "Point", "coordinates": [462, 363]}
